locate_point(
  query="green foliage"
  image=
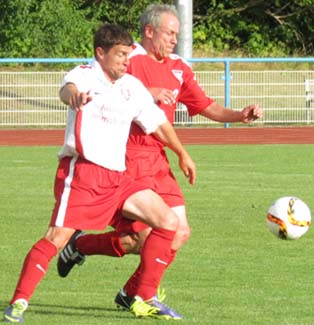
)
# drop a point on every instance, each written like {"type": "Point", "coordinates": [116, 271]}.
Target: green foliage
{"type": "Point", "coordinates": [50, 28]}
{"type": "Point", "coordinates": [125, 13]}
{"type": "Point", "coordinates": [258, 28]}
{"type": "Point", "coordinates": [58, 34]}
{"type": "Point", "coordinates": [63, 28]}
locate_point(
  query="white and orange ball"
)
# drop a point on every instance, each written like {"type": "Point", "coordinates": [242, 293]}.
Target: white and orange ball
{"type": "Point", "coordinates": [288, 218]}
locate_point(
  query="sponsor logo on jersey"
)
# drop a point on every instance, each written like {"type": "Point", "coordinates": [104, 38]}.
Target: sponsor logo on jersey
{"type": "Point", "coordinates": [178, 75]}
{"type": "Point", "coordinates": [125, 93]}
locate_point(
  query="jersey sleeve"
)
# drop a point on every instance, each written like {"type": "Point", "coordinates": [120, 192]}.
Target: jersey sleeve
{"type": "Point", "coordinates": [192, 95]}
{"type": "Point", "coordinates": [79, 77]}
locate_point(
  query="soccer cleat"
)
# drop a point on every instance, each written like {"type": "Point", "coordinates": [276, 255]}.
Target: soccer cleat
{"type": "Point", "coordinates": [70, 256]}
{"type": "Point", "coordinates": [124, 301]}
{"type": "Point", "coordinates": [153, 309]}
{"type": "Point", "coordinates": [14, 313]}
{"type": "Point", "coordinates": [161, 294]}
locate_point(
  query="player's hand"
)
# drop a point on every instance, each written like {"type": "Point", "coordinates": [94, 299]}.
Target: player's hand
{"type": "Point", "coordinates": [251, 113]}
{"type": "Point", "coordinates": [78, 100]}
{"type": "Point", "coordinates": [188, 167]}
{"type": "Point", "coordinates": [163, 96]}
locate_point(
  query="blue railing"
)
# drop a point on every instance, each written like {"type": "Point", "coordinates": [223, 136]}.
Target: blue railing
{"type": "Point", "coordinates": [226, 61]}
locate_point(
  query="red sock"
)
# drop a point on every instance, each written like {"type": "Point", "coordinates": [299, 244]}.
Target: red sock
{"type": "Point", "coordinates": [131, 285]}
{"type": "Point", "coordinates": [155, 256]}
{"type": "Point", "coordinates": [173, 254]}
{"type": "Point", "coordinates": [101, 244]}
{"type": "Point", "coordinates": [35, 266]}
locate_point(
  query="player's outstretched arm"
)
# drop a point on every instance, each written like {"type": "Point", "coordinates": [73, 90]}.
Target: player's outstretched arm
{"type": "Point", "coordinates": [70, 95]}
{"type": "Point", "coordinates": [168, 136]}
{"type": "Point", "coordinates": [220, 113]}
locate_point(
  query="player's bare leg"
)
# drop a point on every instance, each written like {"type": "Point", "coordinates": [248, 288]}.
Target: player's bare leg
{"type": "Point", "coordinates": [116, 244]}
{"type": "Point", "coordinates": [132, 243]}
{"type": "Point", "coordinates": [122, 299]}
{"type": "Point", "coordinates": [155, 254]}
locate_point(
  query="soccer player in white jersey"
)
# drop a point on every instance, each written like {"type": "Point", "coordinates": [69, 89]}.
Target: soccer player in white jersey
{"type": "Point", "coordinates": [170, 80]}
{"type": "Point", "coordinates": [91, 183]}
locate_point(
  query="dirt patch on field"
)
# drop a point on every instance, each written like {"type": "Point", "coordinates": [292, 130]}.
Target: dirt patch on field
{"type": "Point", "coordinates": [248, 135]}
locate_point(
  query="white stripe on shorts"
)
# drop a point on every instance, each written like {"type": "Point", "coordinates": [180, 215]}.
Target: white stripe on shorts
{"type": "Point", "coordinates": [66, 193]}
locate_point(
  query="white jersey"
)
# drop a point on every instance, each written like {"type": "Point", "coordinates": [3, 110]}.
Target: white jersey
{"type": "Point", "coordinates": [100, 131]}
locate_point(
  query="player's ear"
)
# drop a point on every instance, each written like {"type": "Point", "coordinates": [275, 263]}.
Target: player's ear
{"type": "Point", "coordinates": [100, 52]}
{"type": "Point", "coordinates": [149, 31]}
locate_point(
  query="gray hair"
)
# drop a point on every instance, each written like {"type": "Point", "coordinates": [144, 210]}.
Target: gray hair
{"type": "Point", "coordinates": [151, 15]}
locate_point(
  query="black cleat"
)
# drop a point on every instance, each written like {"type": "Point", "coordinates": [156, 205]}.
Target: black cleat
{"type": "Point", "coordinates": [123, 301]}
{"type": "Point", "coordinates": [70, 256]}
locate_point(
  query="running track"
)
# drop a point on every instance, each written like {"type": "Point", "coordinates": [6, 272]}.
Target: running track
{"type": "Point", "coordinates": [245, 135]}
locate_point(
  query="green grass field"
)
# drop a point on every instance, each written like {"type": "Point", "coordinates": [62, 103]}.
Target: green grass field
{"type": "Point", "coordinates": [232, 270]}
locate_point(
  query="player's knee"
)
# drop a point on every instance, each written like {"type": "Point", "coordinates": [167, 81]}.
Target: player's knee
{"type": "Point", "coordinates": [165, 219]}
{"type": "Point", "coordinates": [170, 221]}
{"type": "Point", "coordinates": [183, 235]}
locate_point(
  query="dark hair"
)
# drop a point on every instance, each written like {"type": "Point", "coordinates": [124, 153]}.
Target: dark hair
{"type": "Point", "coordinates": [109, 35]}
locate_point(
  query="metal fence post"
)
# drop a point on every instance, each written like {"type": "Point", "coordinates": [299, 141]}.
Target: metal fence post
{"type": "Point", "coordinates": [227, 86]}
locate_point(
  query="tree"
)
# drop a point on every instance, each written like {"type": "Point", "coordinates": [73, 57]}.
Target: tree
{"type": "Point", "coordinates": [50, 28]}
{"type": "Point", "coordinates": [64, 28]}
{"type": "Point", "coordinates": [257, 27]}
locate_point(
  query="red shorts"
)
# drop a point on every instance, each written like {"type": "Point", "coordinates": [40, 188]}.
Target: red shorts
{"type": "Point", "coordinates": [87, 195]}
{"type": "Point", "coordinates": [150, 166]}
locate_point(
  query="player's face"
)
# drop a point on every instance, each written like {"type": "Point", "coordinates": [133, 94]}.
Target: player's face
{"type": "Point", "coordinates": [114, 63]}
{"type": "Point", "coordinates": [164, 38]}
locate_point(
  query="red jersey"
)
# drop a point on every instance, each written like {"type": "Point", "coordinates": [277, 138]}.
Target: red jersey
{"type": "Point", "coordinates": [174, 74]}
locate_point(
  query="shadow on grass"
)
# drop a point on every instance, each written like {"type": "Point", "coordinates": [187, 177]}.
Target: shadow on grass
{"type": "Point", "coordinates": [61, 310]}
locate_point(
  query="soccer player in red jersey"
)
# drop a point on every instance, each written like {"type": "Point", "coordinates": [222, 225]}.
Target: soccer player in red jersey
{"type": "Point", "coordinates": [170, 80]}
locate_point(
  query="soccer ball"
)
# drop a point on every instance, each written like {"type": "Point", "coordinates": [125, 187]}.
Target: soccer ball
{"type": "Point", "coordinates": [288, 218]}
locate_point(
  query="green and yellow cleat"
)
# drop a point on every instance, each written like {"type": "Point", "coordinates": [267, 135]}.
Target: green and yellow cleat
{"type": "Point", "coordinates": [14, 313]}
{"type": "Point", "coordinates": [153, 309]}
